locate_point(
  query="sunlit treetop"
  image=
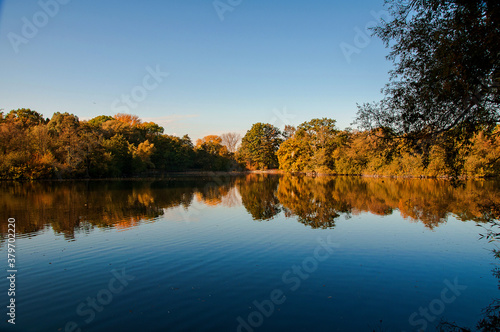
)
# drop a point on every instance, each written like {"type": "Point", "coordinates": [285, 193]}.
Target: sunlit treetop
{"type": "Point", "coordinates": [130, 119]}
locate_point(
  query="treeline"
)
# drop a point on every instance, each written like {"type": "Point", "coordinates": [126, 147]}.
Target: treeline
{"type": "Point", "coordinates": [32, 147]}
{"type": "Point", "coordinates": [318, 146]}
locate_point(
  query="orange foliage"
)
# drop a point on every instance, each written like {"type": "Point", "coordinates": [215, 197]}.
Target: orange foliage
{"type": "Point", "coordinates": [131, 119]}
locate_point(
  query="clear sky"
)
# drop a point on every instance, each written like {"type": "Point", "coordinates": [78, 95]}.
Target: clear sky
{"type": "Point", "coordinates": [230, 63]}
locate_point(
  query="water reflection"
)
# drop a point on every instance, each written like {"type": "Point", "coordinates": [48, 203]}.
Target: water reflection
{"type": "Point", "coordinates": [70, 207]}
{"type": "Point", "coordinates": [258, 195]}
{"type": "Point", "coordinates": [319, 201]}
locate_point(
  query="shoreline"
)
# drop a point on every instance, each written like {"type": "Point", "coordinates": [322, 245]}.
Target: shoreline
{"type": "Point", "coordinates": [184, 174]}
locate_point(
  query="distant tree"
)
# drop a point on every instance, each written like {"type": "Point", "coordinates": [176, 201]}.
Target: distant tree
{"type": "Point", "coordinates": [120, 163]}
{"type": "Point", "coordinates": [259, 146]}
{"type": "Point", "coordinates": [294, 154]}
{"type": "Point", "coordinates": [484, 157]}
{"type": "Point", "coordinates": [26, 117]}
{"type": "Point", "coordinates": [211, 154]}
{"type": "Point", "coordinates": [288, 131]}
{"type": "Point", "coordinates": [210, 139]}
{"type": "Point", "coordinates": [131, 119]}
{"type": "Point", "coordinates": [99, 120]}
{"type": "Point", "coordinates": [312, 147]}
{"type": "Point", "coordinates": [172, 153]}
{"type": "Point", "coordinates": [40, 139]}
{"type": "Point", "coordinates": [212, 144]}
{"type": "Point", "coordinates": [114, 127]}
{"type": "Point", "coordinates": [230, 141]}
{"type": "Point", "coordinates": [64, 129]}
{"type": "Point", "coordinates": [150, 129]}
{"type": "Point", "coordinates": [142, 156]}
{"type": "Point", "coordinates": [447, 68]}
{"type": "Point", "coordinates": [61, 122]}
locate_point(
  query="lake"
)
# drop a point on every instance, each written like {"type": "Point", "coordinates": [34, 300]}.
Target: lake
{"type": "Point", "coordinates": [248, 253]}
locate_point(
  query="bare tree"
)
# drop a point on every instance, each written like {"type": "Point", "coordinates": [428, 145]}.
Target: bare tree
{"type": "Point", "coordinates": [230, 140]}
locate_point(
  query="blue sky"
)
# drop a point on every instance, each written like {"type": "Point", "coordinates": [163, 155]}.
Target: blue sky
{"type": "Point", "coordinates": [229, 65]}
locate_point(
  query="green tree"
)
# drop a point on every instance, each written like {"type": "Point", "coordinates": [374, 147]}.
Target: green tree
{"type": "Point", "coordinates": [99, 120]}
{"type": "Point", "coordinates": [447, 68]}
{"type": "Point", "coordinates": [259, 146]}
{"type": "Point", "coordinates": [313, 146]}
{"type": "Point", "coordinates": [120, 163]}
{"type": "Point", "coordinates": [26, 117]}
{"type": "Point", "coordinates": [172, 153]}
{"type": "Point", "coordinates": [150, 129]}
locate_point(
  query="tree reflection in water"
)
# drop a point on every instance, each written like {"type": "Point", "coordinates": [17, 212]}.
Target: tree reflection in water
{"type": "Point", "coordinates": [69, 207]}
{"type": "Point", "coordinates": [258, 195]}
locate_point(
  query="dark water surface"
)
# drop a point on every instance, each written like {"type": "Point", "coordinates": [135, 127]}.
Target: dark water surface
{"type": "Point", "coordinates": [249, 253]}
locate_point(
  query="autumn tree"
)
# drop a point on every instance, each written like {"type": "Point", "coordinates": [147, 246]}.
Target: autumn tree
{"type": "Point", "coordinates": [445, 84]}
{"type": "Point", "coordinates": [131, 119]}
{"type": "Point", "coordinates": [26, 117]}
{"type": "Point", "coordinates": [210, 139]}
{"type": "Point", "coordinates": [211, 154]}
{"type": "Point", "coordinates": [313, 146]}
{"type": "Point", "coordinates": [14, 149]}
{"type": "Point", "coordinates": [142, 156]}
{"type": "Point", "coordinates": [150, 129]}
{"type": "Point", "coordinates": [288, 131]}
{"type": "Point", "coordinates": [484, 157]}
{"type": "Point", "coordinates": [64, 129]}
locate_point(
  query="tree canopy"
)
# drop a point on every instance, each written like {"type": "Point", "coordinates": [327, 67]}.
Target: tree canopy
{"type": "Point", "coordinates": [259, 146]}
{"type": "Point", "coordinates": [447, 68]}
{"type": "Point", "coordinates": [32, 147]}
{"type": "Point", "coordinates": [311, 146]}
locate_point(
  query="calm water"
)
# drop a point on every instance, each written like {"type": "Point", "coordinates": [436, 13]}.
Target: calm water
{"type": "Point", "coordinates": [250, 253]}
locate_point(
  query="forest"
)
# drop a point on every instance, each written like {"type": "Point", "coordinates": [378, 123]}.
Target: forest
{"type": "Point", "coordinates": [63, 147]}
